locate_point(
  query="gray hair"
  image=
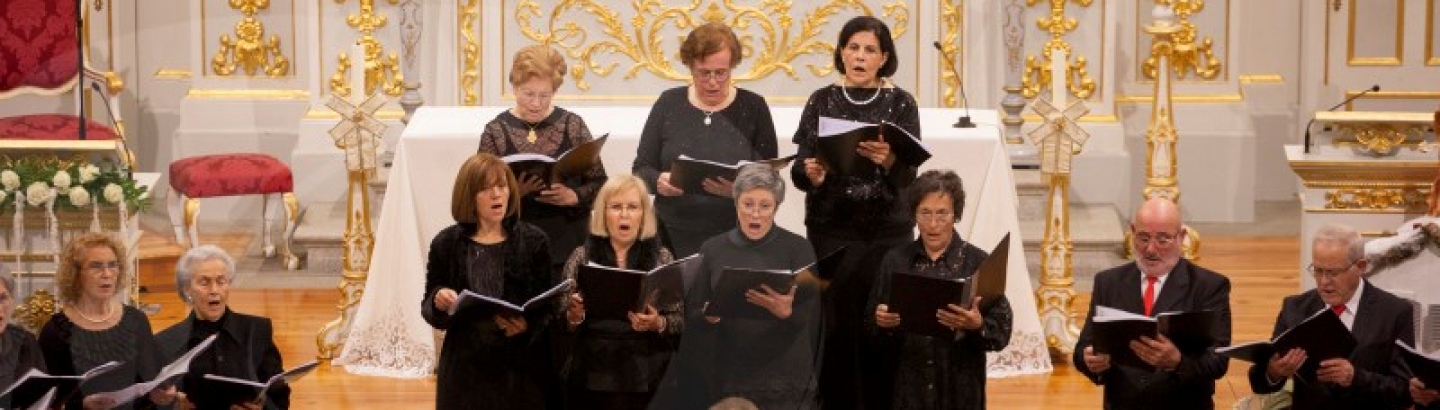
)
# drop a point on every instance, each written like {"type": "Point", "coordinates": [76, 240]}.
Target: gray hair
{"type": "Point", "coordinates": [1341, 235]}
{"type": "Point", "coordinates": [760, 176]}
{"type": "Point", "coordinates": [185, 267]}
{"type": "Point", "coordinates": [8, 281]}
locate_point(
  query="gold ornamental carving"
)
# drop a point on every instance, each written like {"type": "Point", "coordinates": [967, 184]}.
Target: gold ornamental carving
{"type": "Point", "coordinates": [249, 50]}
{"type": "Point", "coordinates": [1059, 138]}
{"type": "Point", "coordinates": [765, 32]}
{"type": "Point", "coordinates": [469, 53]}
{"type": "Point", "coordinates": [1402, 199]}
{"type": "Point", "coordinates": [1380, 139]}
{"type": "Point", "coordinates": [382, 70]}
{"type": "Point", "coordinates": [1161, 137]}
{"type": "Point", "coordinates": [36, 309]}
{"type": "Point", "coordinates": [1037, 75]}
{"type": "Point", "coordinates": [951, 16]}
{"type": "Point", "coordinates": [1186, 55]}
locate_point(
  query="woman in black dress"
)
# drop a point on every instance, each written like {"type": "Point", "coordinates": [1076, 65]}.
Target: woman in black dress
{"type": "Point", "coordinates": [536, 126]}
{"type": "Point", "coordinates": [19, 352]}
{"type": "Point", "coordinates": [709, 119]}
{"type": "Point", "coordinates": [768, 359]}
{"type": "Point", "coordinates": [925, 372]}
{"type": "Point", "coordinates": [861, 212]}
{"type": "Point", "coordinates": [617, 364]}
{"type": "Point", "coordinates": [499, 361]}
{"type": "Point", "coordinates": [94, 328]}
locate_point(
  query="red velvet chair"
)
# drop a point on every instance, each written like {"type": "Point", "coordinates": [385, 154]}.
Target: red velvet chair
{"type": "Point", "coordinates": [211, 176]}
{"type": "Point", "coordinates": [39, 55]}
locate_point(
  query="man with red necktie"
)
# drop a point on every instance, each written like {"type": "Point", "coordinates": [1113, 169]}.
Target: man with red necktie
{"type": "Point", "coordinates": [1374, 376]}
{"type": "Point", "coordinates": [1159, 280]}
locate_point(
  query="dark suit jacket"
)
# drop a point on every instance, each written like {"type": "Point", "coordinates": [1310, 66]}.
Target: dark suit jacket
{"type": "Point", "coordinates": [244, 349]}
{"type": "Point", "coordinates": [1192, 384]}
{"type": "Point", "coordinates": [1381, 381]}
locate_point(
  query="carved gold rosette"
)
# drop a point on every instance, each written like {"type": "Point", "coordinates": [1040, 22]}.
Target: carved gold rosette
{"type": "Point", "coordinates": [382, 70]}
{"type": "Point", "coordinates": [249, 50]}
{"type": "Point", "coordinates": [766, 36]}
{"type": "Point", "coordinates": [36, 309]}
{"type": "Point", "coordinates": [1186, 55]}
{"type": "Point", "coordinates": [1037, 69]}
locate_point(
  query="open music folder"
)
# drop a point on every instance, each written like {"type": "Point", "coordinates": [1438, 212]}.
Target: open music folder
{"type": "Point", "coordinates": [1113, 329]}
{"type": "Point", "coordinates": [489, 305]}
{"type": "Point", "coordinates": [1323, 336]}
{"type": "Point", "coordinates": [34, 385]}
{"type": "Point", "coordinates": [838, 139]}
{"type": "Point", "coordinates": [916, 298]}
{"type": "Point", "coordinates": [689, 174]}
{"type": "Point", "coordinates": [572, 163]}
{"type": "Point", "coordinates": [237, 391]}
{"type": "Point", "coordinates": [612, 293]}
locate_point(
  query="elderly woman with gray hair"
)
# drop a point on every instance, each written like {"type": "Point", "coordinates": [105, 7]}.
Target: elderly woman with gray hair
{"type": "Point", "coordinates": [19, 352]}
{"type": "Point", "coordinates": [769, 360]}
{"type": "Point", "coordinates": [243, 349]}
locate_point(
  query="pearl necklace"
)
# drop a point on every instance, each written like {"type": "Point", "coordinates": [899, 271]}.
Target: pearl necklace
{"type": "Point", "coordinates": [872, 98]}
{"type": "Point", "coordinates": [108, 314]}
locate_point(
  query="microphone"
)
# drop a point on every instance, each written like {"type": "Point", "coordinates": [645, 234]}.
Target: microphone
{"type": "Point", "coordinates": [1372, 88]}
{"type": "Point", "coordinates": [964, 121]}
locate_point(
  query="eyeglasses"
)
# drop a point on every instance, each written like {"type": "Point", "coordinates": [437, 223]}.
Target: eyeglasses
{"type": "Point", "coordinates": [620, 209]}
{"type": "Point", "coordinates": [1328, 273]}
{"type": "Point", "coordinates": [761, 209]}
{"type": "Point", "coordinates": [927, 216]}
{"type": "Point", "coordinates": [535, 96]}
{"type": "Point", "coordinates": [102, 266]}
{"type": "Point", "coordinates": [720, 74]}
{"type": "Point", "coordinates": [1160, 239]}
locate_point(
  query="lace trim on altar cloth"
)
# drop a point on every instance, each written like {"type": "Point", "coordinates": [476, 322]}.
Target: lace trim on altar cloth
{"type": "Point", "coordinates": [1026, 355]}
{"type": "Point", "coordinates": [385, 348]}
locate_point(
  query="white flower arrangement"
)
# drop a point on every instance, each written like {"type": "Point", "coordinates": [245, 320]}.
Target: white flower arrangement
{"type": "Point", "coordinates": [69, 184]}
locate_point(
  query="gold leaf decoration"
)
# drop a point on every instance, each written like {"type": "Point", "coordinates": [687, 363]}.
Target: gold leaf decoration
{"type": "Point", "coordinates": [249, 50]}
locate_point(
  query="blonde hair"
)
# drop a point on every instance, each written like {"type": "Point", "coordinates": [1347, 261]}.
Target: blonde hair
{"type": "Point", "coordinates": [617, 184]}
{"type": "Point", "coordinates": [72, 261]}
{"type": "Point", "coordinates": [707, 40]}
{"type": "Point", "coordinates": [538, 61]}
{"type": "Point", "coordinates": [481, 171]}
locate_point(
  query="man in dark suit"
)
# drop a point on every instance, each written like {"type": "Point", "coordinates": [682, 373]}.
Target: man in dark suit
{"type": "Point", "coordinates": [1374, 376]}
{"type": "Point", "coordinates": [244, 347]}
{"type": "Point", "coordinates": [1158, 281]}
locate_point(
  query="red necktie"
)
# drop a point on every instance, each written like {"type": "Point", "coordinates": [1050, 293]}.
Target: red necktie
{"type": "Point", "coordinates": [1339, 310]}
{"type": "Point", "coordinates": [1150, 293]}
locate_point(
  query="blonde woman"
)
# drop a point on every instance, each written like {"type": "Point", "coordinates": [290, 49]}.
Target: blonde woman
{"type": "Point", "coordinates": [536, 126]}
{"type": "Point", "coordinates": [617, 364]}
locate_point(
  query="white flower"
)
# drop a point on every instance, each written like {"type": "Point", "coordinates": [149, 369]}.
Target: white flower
{"type": "Point", "coordinates": [9, 180]}
{"type": "Point", "coordinates": [38, 193]}
{"type": "Point", "coordinates": [79, 196]}
{"type": "Point", "coordinates": [89, 172]}
{"type": "Point", "coordinates": [113, 193]}
{"type": "Point", "coordinates": [61, 179]}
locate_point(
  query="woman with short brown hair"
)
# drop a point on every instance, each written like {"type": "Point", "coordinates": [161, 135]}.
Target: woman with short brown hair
{"type": "Point", "coordinates": [488, 362]}
{"type": "Point", "coordinates": [708, 119]}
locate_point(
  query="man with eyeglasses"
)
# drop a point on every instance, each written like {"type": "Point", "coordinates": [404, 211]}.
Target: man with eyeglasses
{"type": "Point", "coordinates": [1373, 377]}
{"type": "Point", "coordinates": [1159, 280]}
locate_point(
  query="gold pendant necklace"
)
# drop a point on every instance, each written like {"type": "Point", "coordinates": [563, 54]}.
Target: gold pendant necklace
{"type": "Point", "coordinates": [531, 136]}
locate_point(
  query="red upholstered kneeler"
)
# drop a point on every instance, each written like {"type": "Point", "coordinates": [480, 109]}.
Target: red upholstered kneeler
{"type": "Point", "coordinates": [210, 176]}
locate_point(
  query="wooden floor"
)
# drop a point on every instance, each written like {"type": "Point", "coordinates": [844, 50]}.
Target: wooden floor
{"type": "Point", "coordinates": [1262, 270]}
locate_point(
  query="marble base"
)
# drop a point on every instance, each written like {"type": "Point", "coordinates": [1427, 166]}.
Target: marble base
{"type": "Point", "coordinates": [1097, 234]}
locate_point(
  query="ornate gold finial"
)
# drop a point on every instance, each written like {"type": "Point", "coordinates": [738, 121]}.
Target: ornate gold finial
{"type": "Point", "coordinates": [36, 310]}
{"type": "Point", "coordinates": [1161, 136]}
{"type": "Point", "coordinates": [1037, 72]}
{"type": "Point", "coordinates": [382, 71]}
{"type": "Point", "coordinates": [1185, 55]}
{"type": "Point", "coordinates": [640, 43]}
{"type": "Point", "coordinates": [1059, 138]}
{"type": "Point", "coordinates": [249, 50]}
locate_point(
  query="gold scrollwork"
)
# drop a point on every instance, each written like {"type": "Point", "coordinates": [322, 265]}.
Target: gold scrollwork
{"type": "Point", "coordinates": [36, 310]}
{"type": "Point", "coordinates": [776, 46]}
{"type": "Point", "coordinates": [1185, 55]}
{"type": "Point", "coordinates": [950, 16]}
{"type": "Point", "coordinates": [1376, 198]}
{"type": "Point", "coordinates": [1379, 139]}
{"type": "Point", "coordinates": [470, 52]}
{"type": "Point", "coordinates": [250, 51]}
{"type": "Point", "coordinates": [382, 71]}
{"type": "Point", "coordinates": [1037, 73]}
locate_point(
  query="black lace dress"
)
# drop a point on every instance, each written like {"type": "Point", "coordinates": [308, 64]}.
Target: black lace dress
{"type": "Point", "coordinates": [72, 350]}
{"type": "Point", "coordinates": [924, 372]}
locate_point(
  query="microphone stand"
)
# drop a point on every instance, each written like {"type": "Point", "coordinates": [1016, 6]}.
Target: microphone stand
{"type": "Point", "coordinates": [1372, 88]}
{"type": "Point", "coordinates": [964, 121]}
{"type": "Point", "coordinates": [80, 68]}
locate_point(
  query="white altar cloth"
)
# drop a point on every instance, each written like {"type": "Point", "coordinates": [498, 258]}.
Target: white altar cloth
{"type": "Point", "coordinates": [389, 338]}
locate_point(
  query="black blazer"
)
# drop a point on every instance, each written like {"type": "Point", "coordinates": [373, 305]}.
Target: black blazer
{"type": "Point", "coordinates": [1192, 385]}
{"type": "Point", "coordinates": [245, 348]}
{"type": "Point", "coordinates": [1381, 380]}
